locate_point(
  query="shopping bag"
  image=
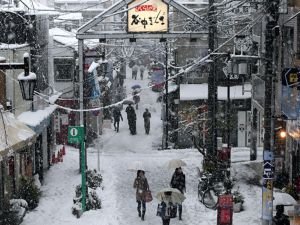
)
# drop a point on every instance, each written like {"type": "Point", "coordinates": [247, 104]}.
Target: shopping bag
{"type": "Point", "coordinates": [148, 196]}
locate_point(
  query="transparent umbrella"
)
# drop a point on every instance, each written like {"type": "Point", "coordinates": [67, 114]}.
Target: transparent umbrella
{"type": "Point", "coordinates": [176, 196]}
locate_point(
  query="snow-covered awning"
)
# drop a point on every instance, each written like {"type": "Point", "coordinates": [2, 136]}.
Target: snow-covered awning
{"type": "Point", "coordinates": [39, 119]}
{"type": "Point", "coordinates": [190, 92]}
{"type": "Point", "coordinates": [68, 38]}
{"type": "Point", "coordinates": [14, 134]}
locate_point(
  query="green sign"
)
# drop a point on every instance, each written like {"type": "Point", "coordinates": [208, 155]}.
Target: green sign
{"type": "Point", "coordinates": [75, 134]}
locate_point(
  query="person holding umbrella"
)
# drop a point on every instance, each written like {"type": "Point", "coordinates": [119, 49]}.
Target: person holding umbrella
{"type": "Point", "coordinates": [178, 182]}
{"type": "Point", "coordinates": [141, 185]}
{"type": "Point", "coordinates": [131, 117]}
{"type": "Point", "coordinates": [167, 209]}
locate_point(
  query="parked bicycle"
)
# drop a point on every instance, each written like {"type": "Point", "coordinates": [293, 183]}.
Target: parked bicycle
{"type": "Point", "coordinates": [210, 186]}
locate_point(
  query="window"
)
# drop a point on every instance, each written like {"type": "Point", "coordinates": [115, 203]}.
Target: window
{"type": "Point", "coordinates": [64, 69]}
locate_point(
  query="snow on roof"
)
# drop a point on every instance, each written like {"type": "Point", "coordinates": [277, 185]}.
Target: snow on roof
{"type": "Point", "coordinates": [31, 7]}
{"type": "Point", "coordinates": [190, 92]}
{"type": "Point", "coordinates": [12, 46]}
{"type": "Point", "coordinates": [69, 16]}
{"type": "Point", "coordinates": [76, 1]}
{"type": "Point", "coordinates": [13, 132]}
{"type": "Point", "coordinates": [35, 118]}
{"type": "Point", "coordinates": [68, 38]}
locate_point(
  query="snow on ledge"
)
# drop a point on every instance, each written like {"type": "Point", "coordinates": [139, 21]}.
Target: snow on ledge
{"type": "Point", "coordinates": [35, 118]}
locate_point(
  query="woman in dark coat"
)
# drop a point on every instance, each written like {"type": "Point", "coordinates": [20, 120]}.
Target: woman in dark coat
{"type": "Point", "coordinates": [178, 182]}
{"type": "Point", "coordinates": [141, 185]}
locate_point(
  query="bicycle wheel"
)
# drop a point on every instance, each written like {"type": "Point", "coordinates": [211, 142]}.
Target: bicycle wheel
{"type": "Point", "coordinates": [200, 192]}
{"type": "Point", "coordinates": [210, 199]}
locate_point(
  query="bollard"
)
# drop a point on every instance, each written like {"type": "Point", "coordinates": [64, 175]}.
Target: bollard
{"type": "Point", "coordinates": [63, 150]}
{"type": "Point", "coordinates": [53, 160]}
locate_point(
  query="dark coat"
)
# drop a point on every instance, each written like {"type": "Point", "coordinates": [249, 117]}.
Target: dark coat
{"type": "Point", "coordinates": [281, 220]}
{"type": "Point", "coordinates": [178, 181]}
{"type": "Point", "coordinates": [147, 116]}
{"type": "Point", "coordinates": [141, 185]}
{"type": "Point", "coordinates": [117, 115]}
{"type": "Point", "coordinates": [130, 113]}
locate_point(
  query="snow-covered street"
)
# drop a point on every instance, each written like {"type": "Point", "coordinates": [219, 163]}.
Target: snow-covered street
{"type": "Point", "coordinates": [117, 151]}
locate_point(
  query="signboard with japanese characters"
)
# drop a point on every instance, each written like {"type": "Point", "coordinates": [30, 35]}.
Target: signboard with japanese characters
{"type": "Point", "coordinates": [149, 16]}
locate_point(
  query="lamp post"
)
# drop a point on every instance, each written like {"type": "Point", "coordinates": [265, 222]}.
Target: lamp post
{"type": "Point", "coordinates": [27, 80]}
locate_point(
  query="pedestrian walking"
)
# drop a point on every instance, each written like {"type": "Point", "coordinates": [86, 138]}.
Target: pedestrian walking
{"type": "Point", "coordinates": [147, 116]}
{"type": "Point", "coordinates": [280, 218]}
{"type": "Point", "coordinates": [167, 208]}
{"type": "Point", "coordinates": [178, 182]}
{"type": "Point", "coordinates": [142, 70]}
{"type": "Point", "coordinates": [141, 185]}
{"type": "Point", "coordinates": [135, 69]}
{"type": "Point", "coordinates": [136, 98]}
{"type": "Point", "coordinates": [117, 116]}
{"type": "Point", "coordinates": [131, 117]}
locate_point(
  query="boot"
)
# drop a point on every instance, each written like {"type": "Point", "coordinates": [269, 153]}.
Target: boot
{"type": "Point", "coordinates": [180, 214]}
{"type": "Point", "coordinates": [139, 211]}
{"type": "Point", "coordinates": [143, 215]}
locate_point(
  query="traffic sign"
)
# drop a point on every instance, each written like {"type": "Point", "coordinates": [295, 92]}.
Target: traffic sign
{"type": "Point", "coordinates": [75, 134]}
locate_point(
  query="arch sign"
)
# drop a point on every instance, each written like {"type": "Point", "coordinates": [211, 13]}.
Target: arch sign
{"type": "Point", "coordinates": [150, 16]}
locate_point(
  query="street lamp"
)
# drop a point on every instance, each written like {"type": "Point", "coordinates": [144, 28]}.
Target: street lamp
{"type": "Point", "coordinates": [27, 80]}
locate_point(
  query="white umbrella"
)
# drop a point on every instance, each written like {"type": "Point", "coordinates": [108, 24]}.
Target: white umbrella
{"type": "Point", "coordinates": [136, 165]}
{"type": "Point", "coordinates": [176, 196]}
{"type": "Point", "coordinates": [282, 198]}
{"type": "Point", "coordinates": [176, 163]}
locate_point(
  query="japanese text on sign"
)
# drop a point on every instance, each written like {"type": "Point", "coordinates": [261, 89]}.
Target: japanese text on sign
{"type": "Point", "coordinates": [149, 17]}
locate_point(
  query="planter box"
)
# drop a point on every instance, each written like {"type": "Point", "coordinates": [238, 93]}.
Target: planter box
{"type": "Point", "coordinates": [237, 207]}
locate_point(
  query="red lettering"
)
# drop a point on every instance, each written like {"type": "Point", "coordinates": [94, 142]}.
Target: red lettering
{"type": "Point", "coordinates": [146, 8]}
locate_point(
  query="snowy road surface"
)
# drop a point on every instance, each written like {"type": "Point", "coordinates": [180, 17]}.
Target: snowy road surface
{"type": "Point", "coordinates": [118, 196]}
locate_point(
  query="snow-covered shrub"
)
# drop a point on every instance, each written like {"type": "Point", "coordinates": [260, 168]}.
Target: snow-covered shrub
{"type": "Point", "coordinates": [15, 214]}
{"type": "Point", "coordinates": [9, 218]}
{"type": "Point", "coordinates": [29, 192]}
{"type": "Point", "coordinates": [93, 179]}
{"type": "Point", "coordinates": [92, 199]}
{"type": "Point", "coordinates": [238, 197]}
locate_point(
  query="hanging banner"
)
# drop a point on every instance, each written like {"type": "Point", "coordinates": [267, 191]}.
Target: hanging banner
{"type": "Point", "coordinates": [267, 187]}
{"type": "Point", "coordinates": [150, 16]}
{"type": "Point", "coordinates": [290, 103]}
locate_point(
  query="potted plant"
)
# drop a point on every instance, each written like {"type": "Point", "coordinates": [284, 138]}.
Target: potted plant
{"type": "Point", "coordinates": [238, 201]}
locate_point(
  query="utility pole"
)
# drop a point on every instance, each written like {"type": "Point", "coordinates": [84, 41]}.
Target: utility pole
{"type": "Point", "coordinates": [166, 98]}
{"type": "Point", "coordinates": [272, 7]}
{"type": "Point", "coordinates": [212, 88]}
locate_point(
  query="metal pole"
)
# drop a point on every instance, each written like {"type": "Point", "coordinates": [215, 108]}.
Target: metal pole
{"type": "Point", "coordinates": [212, 89]}
{"type": "Point", "coordinates": [267, 189]}
{"type": "Point", "coordinates": [228, 111]}
{"type": "Point", "coordinates": [80, 73]}
{"type": "Point", "coordinates": [83, 175]}
{"type": "Point", "coordinates": [166, 99]}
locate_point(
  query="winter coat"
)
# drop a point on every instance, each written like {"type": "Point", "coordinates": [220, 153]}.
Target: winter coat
{"type": "Point", "coordinates": [141, 185]}
{"type": "Point", "coordinates": [178, 181]}
{"type": "Point", "coordinates": [142, 68]}
{"type": "Point", "coordinates": [147, 116]}
{"type": "Point", "coordinates": [135, 68]}
{"type": "Point", "coordinates": [281, 220]}
{"type": "Point", "coordinates": [130, 113]}
{"type": "Point", "coordinates": [117, 115]}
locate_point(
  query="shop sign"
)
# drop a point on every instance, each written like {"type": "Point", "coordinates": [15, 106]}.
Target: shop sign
{"type": "Point", "coordinates": [149, 16]}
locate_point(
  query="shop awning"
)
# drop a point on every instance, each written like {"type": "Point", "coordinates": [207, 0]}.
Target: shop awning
{"type": "Point", "coordinates": [14, 134]}
{"type": "Point", "coordinates": [189, 92]}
